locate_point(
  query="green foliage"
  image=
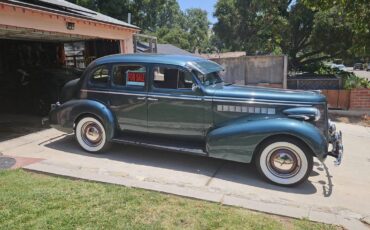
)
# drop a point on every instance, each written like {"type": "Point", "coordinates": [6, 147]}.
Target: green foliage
{"type": "Point", "coordinates": [175, 36]}
{"type": "Point", "coordinates": [325, 70]}
{"type": "Point", "coordinates": [251, 26]}
{"type": "Point", "coordinates": [351, 81]}
{"type": "Point", "coordinates": [162, 18]}
{"type": "Point", "coordinates": [197, 25]}
{"type": "Point", "coordinates": [355, 14]}
{"type": "Point", "coordinates": [308, 34]}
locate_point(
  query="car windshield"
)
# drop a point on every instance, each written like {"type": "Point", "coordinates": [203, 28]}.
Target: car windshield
{"type": "Point", "coordinates": [210, 78]}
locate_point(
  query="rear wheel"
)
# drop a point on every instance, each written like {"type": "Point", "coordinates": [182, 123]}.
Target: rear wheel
{"type": "Point", "coordinates": [91, 135]}
{"type": "Point", "coordinates": [284, 161]}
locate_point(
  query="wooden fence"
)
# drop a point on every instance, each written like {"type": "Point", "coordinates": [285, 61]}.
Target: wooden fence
{"type": "Point", "coordinates": [337, 99]}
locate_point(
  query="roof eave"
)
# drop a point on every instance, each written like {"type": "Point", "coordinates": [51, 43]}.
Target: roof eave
{"type": "Point", "coordinates": [22, 4]}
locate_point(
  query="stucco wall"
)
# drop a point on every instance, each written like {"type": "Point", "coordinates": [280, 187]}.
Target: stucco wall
{"type": "Point", "coordinates": [255, 70]}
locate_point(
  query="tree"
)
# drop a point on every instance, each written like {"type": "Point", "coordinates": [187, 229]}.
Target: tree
{"type": "Point", "coordinates": [196, 25]}
{"type": "Point", "coordinates": [311, 37]}
{"type": "Point", "coordinates": [153, 14]}
{"type": "Point", "coordinates": [175, 36]}
{"type": "Point", "coordinates": [356, 14]}
{"type": "Point", "coordinates": [190, 32]}
{"type": "Point", "coordinates": [307, 36]}
{"type": "Point", "coordinates": [250, 25]}
{"type": "Point", "coordinates": [162, 18]}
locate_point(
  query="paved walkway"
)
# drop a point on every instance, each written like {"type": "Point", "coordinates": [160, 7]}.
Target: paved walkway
{"type": "Point", "coordinates": [336, 195]}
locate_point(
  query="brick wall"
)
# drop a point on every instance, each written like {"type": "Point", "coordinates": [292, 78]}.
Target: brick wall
{"type": "Point", "coordinates": [360, 99]}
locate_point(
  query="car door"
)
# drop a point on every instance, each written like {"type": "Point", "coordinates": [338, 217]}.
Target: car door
{"type": "Point", "coordinates": [174, 108]}
{"type": "Point", "coordinates": [128, 96]}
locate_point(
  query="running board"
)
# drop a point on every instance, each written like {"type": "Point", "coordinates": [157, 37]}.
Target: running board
{"type": "Point", "coordinates": [162, 144]}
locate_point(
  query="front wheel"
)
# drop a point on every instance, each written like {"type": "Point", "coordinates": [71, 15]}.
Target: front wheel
{"type": "Point", "coordinates": [284, 161]}
{"type": "Point", "coordinates": [91, 135]}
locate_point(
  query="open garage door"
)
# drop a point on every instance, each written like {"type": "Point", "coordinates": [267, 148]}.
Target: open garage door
{"type": "Point", "coordinates": [34, 64]}
{"type": "Point", "coordinates": [33, 70]}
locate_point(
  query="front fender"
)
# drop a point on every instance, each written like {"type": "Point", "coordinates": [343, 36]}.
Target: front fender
{"type": "Point", "coordinates": [64, 116]}
{"type": "Point", "coordinates": [238, 141]}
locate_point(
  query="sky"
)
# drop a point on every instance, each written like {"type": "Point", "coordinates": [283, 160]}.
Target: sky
{"type": "Point", "coordinates": [207, 5]}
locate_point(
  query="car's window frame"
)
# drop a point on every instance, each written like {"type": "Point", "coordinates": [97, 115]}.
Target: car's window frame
{"type": "Point", "coordinates": [91, 84]}
{"type": "Point", "coordinates": [130, 88]}
{"type": "Point", "coordinates": [152, 88]}
{"type": "Point", "coordinates": [203, 83]}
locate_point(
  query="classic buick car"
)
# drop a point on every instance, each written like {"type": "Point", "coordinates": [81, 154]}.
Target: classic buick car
{"type": "Point", "coordinates": [181, 103]}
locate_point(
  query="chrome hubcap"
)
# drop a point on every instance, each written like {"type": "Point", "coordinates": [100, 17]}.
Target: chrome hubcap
{"type": "Point", "coordinates": [92, 134]}
{"type": "Point", "coordinates": [283, 163]}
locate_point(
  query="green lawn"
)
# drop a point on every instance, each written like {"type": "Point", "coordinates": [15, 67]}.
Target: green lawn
{"type": "Point", "coordinates": [29, 201]}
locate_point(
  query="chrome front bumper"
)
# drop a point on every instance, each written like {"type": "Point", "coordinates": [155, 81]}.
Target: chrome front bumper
{"type": "Point", "coordinates": [335, 139]}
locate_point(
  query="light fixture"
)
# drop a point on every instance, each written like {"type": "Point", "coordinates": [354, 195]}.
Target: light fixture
{"type": "Point", "coordinates": [70, 25]}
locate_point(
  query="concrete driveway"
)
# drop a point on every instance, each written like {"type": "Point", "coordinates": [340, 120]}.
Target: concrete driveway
{"type": "Point", "coordinates": [339, 195]}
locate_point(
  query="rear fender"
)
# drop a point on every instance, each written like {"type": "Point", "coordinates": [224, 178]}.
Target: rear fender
{"type": "Point", "coordinates": [64, 116]}
{"type": "Point", "coordinates": [238, 141]}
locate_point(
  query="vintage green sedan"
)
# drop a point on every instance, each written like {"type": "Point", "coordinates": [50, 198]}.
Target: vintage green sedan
{"type": "Point", "coordinates": [180, 103]}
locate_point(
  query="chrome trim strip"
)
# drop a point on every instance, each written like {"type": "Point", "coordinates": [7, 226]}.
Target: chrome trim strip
{"type": "Point", "coordinates": [261, 102]}
{"type": "Point", "coordinates": [180, 97]}
{"type": "Point", "coordinates": [206, 98]}
{"type": "Point", "coordinates": [112, 92]}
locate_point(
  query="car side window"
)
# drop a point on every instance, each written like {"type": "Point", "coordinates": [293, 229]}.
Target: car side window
{"type": "Point", "coordinates": [100, 76]}
{"type": "Point", "coordinates": [128, 75]}
{"type": "Point", "coordinates": [171, 78]}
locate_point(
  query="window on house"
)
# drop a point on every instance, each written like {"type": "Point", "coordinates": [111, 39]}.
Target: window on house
{"type": "Point", "coordinates": [172, 78]}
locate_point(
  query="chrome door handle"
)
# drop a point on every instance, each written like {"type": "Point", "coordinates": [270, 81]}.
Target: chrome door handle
{"type": "Point", "coordinates": [141, 98]}
{"type": "Point", "coordinates": [152, 99]}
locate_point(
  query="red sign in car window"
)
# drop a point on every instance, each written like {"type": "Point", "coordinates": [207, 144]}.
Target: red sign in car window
{"type": "Point", "coordinates": [135, 78]}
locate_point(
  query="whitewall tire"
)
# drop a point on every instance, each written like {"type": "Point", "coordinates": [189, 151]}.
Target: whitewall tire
{"type": "Point", "coordinates": [284, 161]}
{"type": "Point", "coordinates": [90, 134]}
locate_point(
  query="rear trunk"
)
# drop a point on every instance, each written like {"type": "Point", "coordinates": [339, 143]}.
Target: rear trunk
{"type": "Point", "coordinates": [69, 91]}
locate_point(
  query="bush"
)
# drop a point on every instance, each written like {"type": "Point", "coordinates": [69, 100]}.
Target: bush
{"type": "Point", "coordinates": [351, 81]}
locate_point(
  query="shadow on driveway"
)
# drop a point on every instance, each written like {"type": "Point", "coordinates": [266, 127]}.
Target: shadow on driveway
{"type": "Point", "coordinates": [239, 173]}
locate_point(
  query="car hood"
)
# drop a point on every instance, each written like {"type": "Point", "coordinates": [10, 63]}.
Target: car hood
{"type": "Point", "coordinates": [264, 94]}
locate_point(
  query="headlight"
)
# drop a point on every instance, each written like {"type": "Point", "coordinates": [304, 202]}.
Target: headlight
{"type": "Point", "coordinates": [318, 115]}
{"type": "Point", "coordinates": [322, 121]}
{"type": "Point", "coordinates": [332, 127]}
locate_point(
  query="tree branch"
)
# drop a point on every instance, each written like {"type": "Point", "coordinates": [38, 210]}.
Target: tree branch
{"type": "Point", "coordinates": [308, 54]}
{"type": "Point", "coordinates": [315, 59]}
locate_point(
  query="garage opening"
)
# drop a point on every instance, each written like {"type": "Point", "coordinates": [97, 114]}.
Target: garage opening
{"type": "Point", "coordinates": [32, 74]}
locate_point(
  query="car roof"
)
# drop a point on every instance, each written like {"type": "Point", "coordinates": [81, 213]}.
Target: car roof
{"type": "Point", "coordinates": [149, 58]}
{"type": "Point", "coordinates": [188, 61]}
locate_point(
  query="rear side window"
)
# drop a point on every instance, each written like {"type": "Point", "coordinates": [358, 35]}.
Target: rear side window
{"type": "Point", "coordinates": [100, 76]}
{"type": "Point", "coordinates": [128, 75]}
{"type": "Point", "coordinates": [171, 78]}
